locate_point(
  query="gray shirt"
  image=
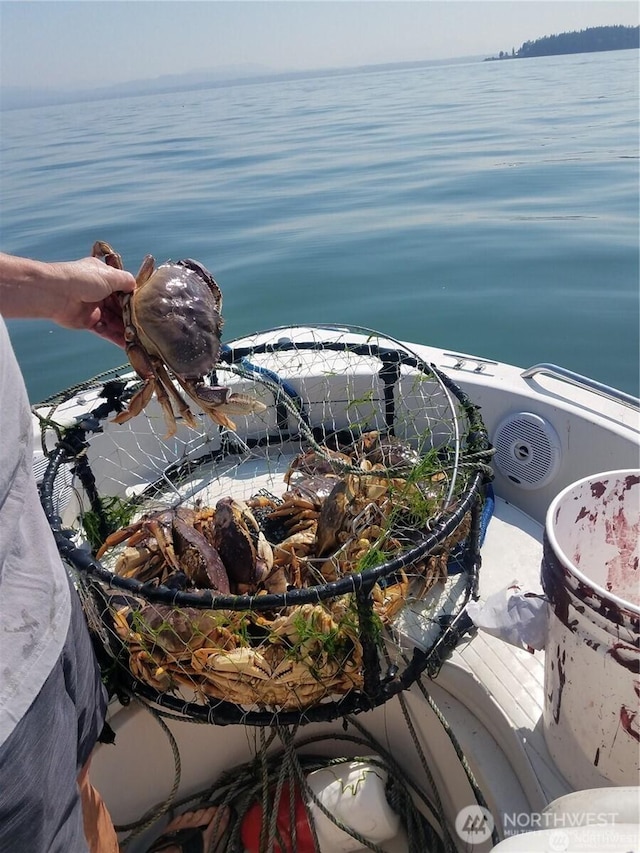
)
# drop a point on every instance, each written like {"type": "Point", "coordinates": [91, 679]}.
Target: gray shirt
{"type": "Point", "coordinates": [34, 592]}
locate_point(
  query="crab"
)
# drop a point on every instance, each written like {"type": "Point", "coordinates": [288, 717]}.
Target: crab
{"type": "Point", "coordinates": [169, 541]}
{"type": "Point", "coordinates": [162, 641]}
{"type": "Point", "coordinates": [390, 598]}
{"type": "Point", "coordinates": [173, 324]}
{"type": "Point", "coordinates": [221, 549]}
{"type": "Point", "coordinates": [172, 631]}
{"type": "Point", "coordinates": [309, 652]}
{"type": "Point", "coordinates": [301, 503]}
{"type": "Point", "coordinates": [307, 656]}
{"type": "Point", "coordinates": [293, 521]}
{"type": "Point", "coordinates": [243, 547]}
{"type": "Point", "coordinates": [349, 505]}
{"type": "Point", "coordinates": [314, 462]}
{"type": "Point", "coordinates": [385, 450]}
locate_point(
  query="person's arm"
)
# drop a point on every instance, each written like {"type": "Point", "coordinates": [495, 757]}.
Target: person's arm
{"type": "Point", "coordinates": [75, 294]}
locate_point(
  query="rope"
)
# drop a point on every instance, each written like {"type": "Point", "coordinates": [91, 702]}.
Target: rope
{"type": "Point", "coordinates": [137, 827]}
{"type": "Point", "coordinates": [449, 845]}
{"type": "Point", "coordinates": [263, 779]}
{"type": "Point", "coordinates": [290, 767]}
{"type": "Point", "coordinates": [475, 787]}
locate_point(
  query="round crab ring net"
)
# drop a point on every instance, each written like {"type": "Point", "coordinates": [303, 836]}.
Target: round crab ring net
{"type": "Point", "coordinates": [311, 562]}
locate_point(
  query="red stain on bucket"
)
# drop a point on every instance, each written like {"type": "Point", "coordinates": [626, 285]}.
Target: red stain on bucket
{"type": "Point", "coordinates": [590, 574]}
{"type": "Point", "coordinates": [626, 656]}
{"type": "Point", "coordinates": [627, 719]}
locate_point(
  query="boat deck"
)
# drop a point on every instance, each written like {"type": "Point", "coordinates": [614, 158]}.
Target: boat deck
{"type": "Point", "coordinates": [513, 677]}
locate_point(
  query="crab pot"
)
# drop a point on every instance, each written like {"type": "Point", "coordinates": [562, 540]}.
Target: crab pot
{"type": "Point", "coordinates": [590, 576]}
{"type": "Point", "coordinates": [267, 573]}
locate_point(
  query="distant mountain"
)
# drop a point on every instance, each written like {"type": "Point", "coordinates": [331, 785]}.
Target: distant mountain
{"type": "Point", "coordinates": [15, 97]}
{"type": "Point", "coordinates": [590, 40]}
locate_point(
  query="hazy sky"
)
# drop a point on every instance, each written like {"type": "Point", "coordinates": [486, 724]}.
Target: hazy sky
{"type": "Point", "coordinates": [55, 43]}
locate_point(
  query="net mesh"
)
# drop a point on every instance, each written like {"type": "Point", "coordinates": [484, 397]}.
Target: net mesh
{"type": "Point", "coordinates": [308, 563]}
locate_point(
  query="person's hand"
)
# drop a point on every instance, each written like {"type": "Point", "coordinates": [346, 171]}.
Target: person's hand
{"type": "Point", "coordinates": [88, 298]}
{"type": "Point", "coordinates": [80, 294]}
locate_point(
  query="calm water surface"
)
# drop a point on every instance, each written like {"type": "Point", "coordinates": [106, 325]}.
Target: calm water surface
{"type": "Point", "coordinates": [489, 208]}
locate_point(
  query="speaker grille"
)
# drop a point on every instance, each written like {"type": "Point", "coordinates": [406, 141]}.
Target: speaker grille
{"type": "Point", "coordinates": [527, 450]}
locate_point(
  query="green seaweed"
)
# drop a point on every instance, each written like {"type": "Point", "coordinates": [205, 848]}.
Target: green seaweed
{"type": "Point", "coordinates": [113, 514]}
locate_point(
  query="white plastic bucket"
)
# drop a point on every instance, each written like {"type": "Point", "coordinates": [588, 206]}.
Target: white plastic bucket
{"type": "Point", "coordinates": [591, 576]}
{"type": "Point", "coordinates": [353, 792]}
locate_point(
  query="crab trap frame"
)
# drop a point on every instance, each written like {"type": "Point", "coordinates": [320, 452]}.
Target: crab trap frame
{"type": "Point", "coordinates": [310, 563]}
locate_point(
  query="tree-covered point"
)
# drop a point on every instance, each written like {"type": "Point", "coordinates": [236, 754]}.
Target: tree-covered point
{"type": "Point", "coordinates": [585, 41]}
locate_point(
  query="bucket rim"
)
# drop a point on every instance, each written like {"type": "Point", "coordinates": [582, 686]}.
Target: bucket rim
{"type": "Point", "coordinates": [560, 553]}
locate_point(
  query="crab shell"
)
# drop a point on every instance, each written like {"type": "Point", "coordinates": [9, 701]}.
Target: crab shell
{"type": "Point", "coordinates": [177, 317]}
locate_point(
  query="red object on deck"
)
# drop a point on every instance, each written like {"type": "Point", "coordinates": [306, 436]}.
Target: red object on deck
{"type": "Point", "coordinates": [252, 826]}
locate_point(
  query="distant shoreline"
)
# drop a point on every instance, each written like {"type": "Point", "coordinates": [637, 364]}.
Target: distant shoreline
{"type": "Point", "coordinates": [17, 97]}
{"type": "Point", "coordinates": [12, 97]}
{"type": "Point", "coordinates": [591, 40]}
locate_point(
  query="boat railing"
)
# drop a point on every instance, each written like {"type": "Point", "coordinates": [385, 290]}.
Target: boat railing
{"type": "Point", "coordinates": [570, 376]}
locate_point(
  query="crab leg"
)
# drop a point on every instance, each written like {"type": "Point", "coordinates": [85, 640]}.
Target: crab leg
{"type": "Point", "coordinates": [294, 506]}
{"type": "Point", "coordinates": [147, 371]}
{"type": "Point", "coordinates": [168, 385]}
{"type": "Point", "coordinates": [211, 403]}
{"type": "Point", "coordinates": [137, 356]}
{"type": "Point", "coordinates": [132, 532]}
{"type": "Point", "coordinates": [137, 402]}
{"type": "Point", "coordinates": [103, 250]}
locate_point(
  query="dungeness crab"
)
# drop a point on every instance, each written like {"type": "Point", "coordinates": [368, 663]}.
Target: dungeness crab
{"type": "Point", "coordinates": [222, 549]}
{"type": "Point", "coordinates": [173, 323]}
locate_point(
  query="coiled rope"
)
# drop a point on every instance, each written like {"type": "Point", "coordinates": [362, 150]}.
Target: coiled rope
{"type": "Point", "coordinates": [263, 779]}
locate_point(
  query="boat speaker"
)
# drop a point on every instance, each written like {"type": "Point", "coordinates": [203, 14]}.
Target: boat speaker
{"type": "Point", "coordinates": [527, 450]}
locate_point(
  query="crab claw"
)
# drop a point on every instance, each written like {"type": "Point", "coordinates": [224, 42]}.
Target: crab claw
{"type": "Point", "coordinates": [218, 402]}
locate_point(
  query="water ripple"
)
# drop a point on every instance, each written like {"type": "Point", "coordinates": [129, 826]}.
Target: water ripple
{"type": "Point", "coordinates": [487, 207]}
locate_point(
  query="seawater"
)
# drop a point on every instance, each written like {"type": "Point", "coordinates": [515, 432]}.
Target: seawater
{"type": "Point", "coordinates": [488, 208]}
